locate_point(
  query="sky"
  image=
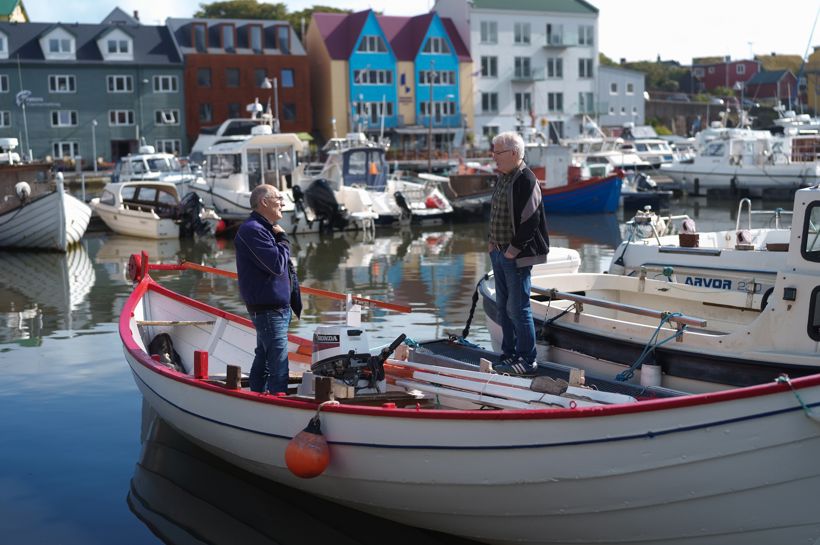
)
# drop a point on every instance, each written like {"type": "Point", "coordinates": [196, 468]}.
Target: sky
{"type": "Point", "coordinates": [630, 29]}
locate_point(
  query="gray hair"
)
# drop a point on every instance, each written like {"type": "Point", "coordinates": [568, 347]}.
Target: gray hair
{"type": "Point", "coordinates": [260, 192]}
{"type": "Point", "coordinates": [511, 140]}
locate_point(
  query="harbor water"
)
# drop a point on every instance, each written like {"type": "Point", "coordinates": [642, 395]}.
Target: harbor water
{"type": "Point", "coordinates": [83, 461]}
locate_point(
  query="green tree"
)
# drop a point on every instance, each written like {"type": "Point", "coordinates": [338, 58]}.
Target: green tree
{"type": "Point", "coordinates": [606, 61]}
{"type": "Point", "coordinates": [295, 19]}
{"type": "Point", "coordinates": [242, 9]}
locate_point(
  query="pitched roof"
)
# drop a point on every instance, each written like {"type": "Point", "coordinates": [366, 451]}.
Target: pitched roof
{"type": "Point", "coordinates": [340, 31]}
{"type": "Point", "coordinates": [152, 44]}
{"type": "Point", "coordinates": [7, 6]}
{"type": "Point", "coordinates": [405, 34]}
{"type": "Point", "coordinates": [772, 76]}
{"type": "Point", "coordinates": [560, 6]}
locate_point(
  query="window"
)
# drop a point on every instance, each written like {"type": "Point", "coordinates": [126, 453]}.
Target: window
{"type": "Point", "coordinates": [811, 235]}
{"type": "Point", "coordinates": [489, 102]}
{"type": "Point", "coordinates": [203, 77]}
{"type": "Point", "coordinates": [612, 112]}
{"type": "Point", "coordinates": [698, 72]}
{"type": "Point", "coordinates": [436, 45]}
{"type": "Point", "coordinates": [228, 37]}
{"type": "Point", "coordinates": [814, 313]}
{"type": "Point", "coordinates": [555, 102]}
{"type": "Point", "coordinates": [199, 37]}
{"type": "Point", "coordinates": [4, 83]}
{"type": "Point", "coordinates": [489, 32]}
{"type": "Point", "coordinates": [165, 84]}
{"type": "Point", "coordinates": [166, 117]}
{"type": "Point", "coordinates": [65, 149]}
{"type": "Point", "coordinates": [234, 110]}
{"type": "Point", "coordinates": [59, 45]}
{"type": "Point", "coordinates": [3, 45]}
{"type": "Point", "coordinates": [232, 77]}
{"type": "Point", "coordinates": [371, 77]}
{"type": "Point", "coordinates": [521, 33]}
{"type": "Point", "coordinates": [634, 110]}
{"type": "Point", "coordinates": [283, 39]}
{"type": "Point", "coordinates": [584, 68]}
{"type": "Point", "coordinates": [585, 104]}
{"type": "Point", "coordinates": [522, 67]}
{"type": "Point", "coordinates": [168, 146]}
{"type": "Point", "coordinates": [523, 102]}
{"type": "Point", "coordinates": [585, 35]}
{"type": "Point", "coordinates": [119, 84]}
{"type": "Point", "coordinates": [288, 112]}
{"type": "Point", "coordinates": [443, 77]}
{"type": "Point", "coordinates": [255, 39]}
{"type": "Point", "coordinates": [613, 88]}
{"type": "Point", "coordinates": [64, 118]}
{"type": "Point", "coordinates": [5, 118]}
{"type": "Point", "coordinates": [62, 84]}
{"type": "Point", "coordinates": [120, 118]}
{"type": "Point", "coordinates": [489, 67]}
{"type": "Point", "coordinates": [287, 77]}
{"type": "Point", "coordinates": [118, 46]}
{"type": "Point", "coordinates": [372, 44]}
{"type": "Point", "coordinates": [489, 132]}
{"type": "Point", "coordinates": [556, 129]}
{"type": "Point", "coordinates": [206, 113]}
{"type": "Point", "coordinates": [555, 34]}
{"type": "Point", "coordinates": [623, 110]}
{"type": "Point", "coordinates": [711, 69]}
{"type": "Point", "coordinates": [630, 88]}
{"type": "Point", "coordinates": [555, 67]}
{"type": "Point", "coordinates": [372, 111]}
{"type": "Point", "coordinates": [740, 69]}
{"type": "Point", "coordinates": [439, 108]}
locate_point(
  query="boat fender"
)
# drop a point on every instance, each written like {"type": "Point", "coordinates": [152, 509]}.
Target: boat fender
{"type": "Point", "coordinates": [307, 455]}
{"type": "Point", "coordinates": [134, 272]}
{"type": "Point", "coordinates": [23, 191]}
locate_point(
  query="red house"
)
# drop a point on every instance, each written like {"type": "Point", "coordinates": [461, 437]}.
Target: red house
{"type": "Point", "coordinates": [707, 77]}
{"type": "Point", "coordinates": [774, 85]}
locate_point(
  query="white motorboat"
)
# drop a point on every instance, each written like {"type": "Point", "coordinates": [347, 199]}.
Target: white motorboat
{"type": "Point", "coordinates": [690, 330]}
{"type": "Point", "coordinates": [233, 169]}
{"type": "Point", "coordinates": [35, 210]}
{"type": "Point", "coordinates": [643, 465]}
{"type": "Point", "coordinates": [152, 166]}
{"type": "Point", "coordinates": [153, 210]}
{"type": "Point", "coordinates": [356, 169]}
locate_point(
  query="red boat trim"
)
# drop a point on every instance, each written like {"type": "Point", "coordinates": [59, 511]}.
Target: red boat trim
{"type": "Point", "coordinates": [144, 359]}
{"type": "Point", "coordinates": [577, 185]}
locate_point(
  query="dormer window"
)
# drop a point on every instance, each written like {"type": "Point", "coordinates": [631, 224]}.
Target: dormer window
{"type": "Point", "coordinates": [372, 44]}
{"type": "Point", "coordinates": [436, 45]}
{"type": "Point", "coordinates": [4, 48]}
{"type": "Point", "coordinates": [255, 38]}
{"type": "Point", "coordinates": [59, 45]}
{"type": "Point", "coordinates": [118, 47]}
{"type": "Point", "coordinates": [228, 37]}
{"type": "Point", "coordinates": [199, 37]}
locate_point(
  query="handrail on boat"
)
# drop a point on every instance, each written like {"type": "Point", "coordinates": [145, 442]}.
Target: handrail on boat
{"type": "Point", "coordinates": [777, 212]}
{"type": "Point", "coordinates": [552, 293]}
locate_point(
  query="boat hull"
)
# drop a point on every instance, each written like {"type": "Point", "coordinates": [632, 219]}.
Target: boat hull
{"type": "Point", "coordinates": [727, 468]}
{"type": "Point", "coordinates": [598, 195]}
{"type": "Point", "coordinates": [699, 176]}
{"type": "Point", "coordinates": [53, 221]}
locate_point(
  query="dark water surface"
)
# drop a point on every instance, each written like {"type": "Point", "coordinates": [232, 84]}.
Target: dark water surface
{"type": "Point", "coordinates": [83, 462]}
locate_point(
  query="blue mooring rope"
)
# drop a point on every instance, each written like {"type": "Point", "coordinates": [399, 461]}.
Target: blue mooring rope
{"type": "Point", "coordinates": [651, 345]}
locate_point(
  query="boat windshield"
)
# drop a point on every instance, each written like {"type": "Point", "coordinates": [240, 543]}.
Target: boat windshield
{"type": "Point", "coordinates": [164, 164]}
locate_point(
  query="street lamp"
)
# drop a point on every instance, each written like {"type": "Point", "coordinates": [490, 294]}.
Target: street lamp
{"type": "Point", "coordinates": [430, 76]}
{"type": "Point", "coordinates": [94, 143]}
{"type": "Point", "coordinates": [450, 98]}
{"type": "Point", "coordinates": [267, 84]}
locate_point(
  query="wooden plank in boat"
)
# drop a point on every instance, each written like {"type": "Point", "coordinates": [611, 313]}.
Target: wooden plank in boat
{"type": "Point", "coordinates": [173, 322]}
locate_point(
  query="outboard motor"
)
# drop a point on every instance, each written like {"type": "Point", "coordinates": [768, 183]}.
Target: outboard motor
{"type": "Point", "coordinates": [644, 183]}
{"type": "Point", "coordinates": [401, 201]}
{"type": "Point", "coordinates": [188, 214]}
{"type": "Point", "coordinates": [319, 197]}
{"type": "Point", "coordinates": [341, 352]}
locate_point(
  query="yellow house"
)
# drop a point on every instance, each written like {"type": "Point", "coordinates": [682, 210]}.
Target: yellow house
{"type": "Point", "coordinates": [13, 11]}
{"type": "Point", "coordinates": [811, 71]}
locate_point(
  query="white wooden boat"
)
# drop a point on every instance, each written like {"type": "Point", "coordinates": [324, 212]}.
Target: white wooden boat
{"type": "Point", "coordinates": [692, 331]}
{"type": "Point", "coordinates": [722, 468]}
{"type": "Point", "coordinates": [234, 168]}
{"type": "Point", "coordinates": [744, 259]}
{"type": "Point", "coordinates": [152, 210]}
{"type": "Point", "coordinates": [36, 211]}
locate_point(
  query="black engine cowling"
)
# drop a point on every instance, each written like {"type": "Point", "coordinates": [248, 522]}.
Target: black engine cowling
{"type": "Point", "coordinates": [188, 211]}
{"type": "Point", "coordinates": [320, 198]}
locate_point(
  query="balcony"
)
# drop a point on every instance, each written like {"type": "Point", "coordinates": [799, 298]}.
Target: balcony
{"type": "Point", "coordinates": [528, 76]}
{"type": "Point", "coordinates": [559, 42]}
{"type": "Point", "coordinates": [442, 121]}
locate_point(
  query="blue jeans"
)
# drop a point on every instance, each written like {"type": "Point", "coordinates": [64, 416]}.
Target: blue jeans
{"type": "Point", "coordinates": [512, 298]}
{"type": "Point", "coordinates": [269, 371]}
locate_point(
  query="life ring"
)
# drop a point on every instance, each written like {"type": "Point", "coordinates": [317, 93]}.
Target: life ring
{"type": "Point", "coordinates": [765, 300]}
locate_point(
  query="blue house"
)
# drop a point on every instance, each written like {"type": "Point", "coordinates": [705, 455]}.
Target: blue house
{"type": "Point", "coordinates": [372, 77]}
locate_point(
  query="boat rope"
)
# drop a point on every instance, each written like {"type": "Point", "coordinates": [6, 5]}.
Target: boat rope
{"type": "Point", "coordinates": [466, 330]}
{"type": "Point", "coordinates": [321, 405]}
{"type": "Point", "coordinates": [651, 345]}
{"type": "Point", "coordinates": [548, 321]}
{"type": "Point", "coordinates": [411, 343]}
{"type": "Point", "coordinates": [784, 379]}
{"type": "Point", "coordinates": [620, 259]}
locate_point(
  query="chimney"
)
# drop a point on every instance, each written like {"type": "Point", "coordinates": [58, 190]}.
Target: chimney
{"type": "Point", "coordinates": [623, 60]}
{"type": "Point", "coordinates": [773, 54]}
{"type": "Point", "coordinates": [136, 15]}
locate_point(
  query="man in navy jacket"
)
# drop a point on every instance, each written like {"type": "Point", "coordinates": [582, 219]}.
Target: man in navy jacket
{"type": "Point", "coordinates": [263, 265]}
{"type": "Point", "coordinates": [517, 240]}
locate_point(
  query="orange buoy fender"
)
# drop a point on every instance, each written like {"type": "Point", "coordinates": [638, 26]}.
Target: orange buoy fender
{"type": "Point", "coordinates": [307, 455]}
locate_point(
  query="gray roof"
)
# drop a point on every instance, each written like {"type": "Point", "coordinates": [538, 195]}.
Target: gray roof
{"type": "Point", "coordinates": [152, 44]}
{"type": "Point", "coordinates": [555, 6]}
{"type": "Point", "coordinates": [181, 30]}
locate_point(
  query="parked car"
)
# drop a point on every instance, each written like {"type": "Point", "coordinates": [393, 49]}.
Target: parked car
{"type": "Point", "coordinates": [678, 97]}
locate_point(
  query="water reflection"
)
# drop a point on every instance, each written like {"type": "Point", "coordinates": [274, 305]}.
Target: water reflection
{"type": "Point", "coordinates": [42, 292]}
{"type": "Point", "coordinates": [185, 496]}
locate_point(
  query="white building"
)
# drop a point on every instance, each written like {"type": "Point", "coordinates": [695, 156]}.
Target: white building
{"type": "Point", "coordinates": [621, 96]}
{"type": "Point", "coordinates": [536, 62]}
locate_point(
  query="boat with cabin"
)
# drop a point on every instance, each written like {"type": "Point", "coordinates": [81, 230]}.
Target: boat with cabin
{"type": "Point", "coordinates": [148, 165]}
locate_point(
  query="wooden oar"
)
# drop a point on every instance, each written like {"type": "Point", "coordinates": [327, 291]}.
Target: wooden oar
{"type": "Point", "coordinates": [305, 289]}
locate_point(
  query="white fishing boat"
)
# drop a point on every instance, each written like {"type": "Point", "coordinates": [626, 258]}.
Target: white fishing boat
{"type": "Point", "coordinates": [153, 210]}
{"type": "Point", "coordinates": [525, 461]}
{"type": "Point", "coordinates": [233, 169]}
{"type": "Point", "coordinates": [151, 166]}
{"type": "Point", "coordinates": [35, 210]}
{"type": "Point", "coordinates": [357, 171]}
{"type": "Point", "coordinates": [691, 330]}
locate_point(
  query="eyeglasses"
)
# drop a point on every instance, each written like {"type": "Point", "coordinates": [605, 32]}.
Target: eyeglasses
{"type": "Point", "coordinates": [278, 198]}
{"type": "Point", "coordinates": [502, 152]}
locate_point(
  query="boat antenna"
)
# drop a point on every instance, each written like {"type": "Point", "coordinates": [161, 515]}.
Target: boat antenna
{"type": "Point", "coordinates": [802, 61]}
